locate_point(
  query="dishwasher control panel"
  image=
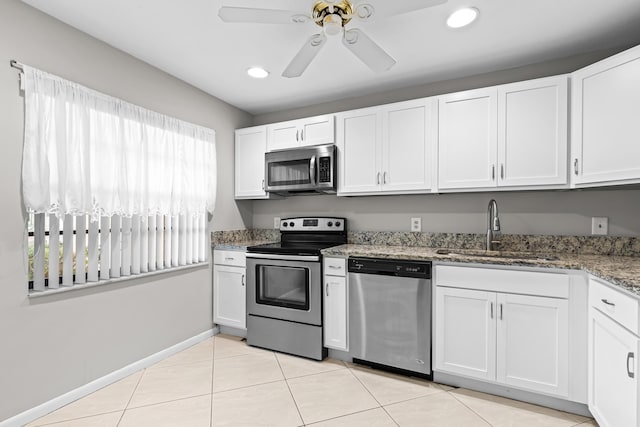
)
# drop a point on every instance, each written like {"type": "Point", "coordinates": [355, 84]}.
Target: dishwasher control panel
{"type": "Point", "coordinates": [390, 267]}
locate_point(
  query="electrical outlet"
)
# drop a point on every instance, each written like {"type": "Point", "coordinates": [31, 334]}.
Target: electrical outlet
{"type": "Point", "coordinates": [416, 224]}
{"type": "Point", "coordinates": [276, 222]}
{"type": "Point", "coordinates": [600, 225]}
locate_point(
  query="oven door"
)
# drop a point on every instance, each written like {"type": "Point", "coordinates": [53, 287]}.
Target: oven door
{"type": "Point", "coordinates": [285, 287]}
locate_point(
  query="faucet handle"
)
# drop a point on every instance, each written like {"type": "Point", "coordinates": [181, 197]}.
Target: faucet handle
{"type": "Point", "coordinates": [496, 223]}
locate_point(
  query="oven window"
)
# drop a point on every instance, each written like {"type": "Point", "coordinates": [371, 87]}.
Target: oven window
{"type": "Point", "coordinates": [283, 286]}
{"type": "Point", "coordinates": [292, 172]}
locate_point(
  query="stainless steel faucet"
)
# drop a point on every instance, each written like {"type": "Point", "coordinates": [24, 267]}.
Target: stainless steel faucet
{"type": "Point", "coordinates": [493, 225]}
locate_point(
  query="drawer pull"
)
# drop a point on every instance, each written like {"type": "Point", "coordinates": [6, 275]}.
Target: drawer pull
{"type": "Point", "coordinates": [607, 302]}
{"type": "Point", "coordinates": [335, 267]}
{"type": "Point", "coordinates": [229, 258]}
{"type": "Point", "coordinates": [629, 357]}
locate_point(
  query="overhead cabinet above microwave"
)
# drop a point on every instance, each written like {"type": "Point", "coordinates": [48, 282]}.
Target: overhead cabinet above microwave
{"type": "Point", "coordinates": [511, 136]}
{"type": "Point", "coordinates": [317, 130]}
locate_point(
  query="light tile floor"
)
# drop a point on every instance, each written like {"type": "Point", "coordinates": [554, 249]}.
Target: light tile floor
{"type": "Point", "coordinates": [224, 382]}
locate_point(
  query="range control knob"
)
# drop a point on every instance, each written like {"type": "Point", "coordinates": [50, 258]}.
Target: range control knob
{"type": "Point", "coordinates": [337, 223]}
{"type": "Point", "coordinates": [329, 224]}
{"type": "Point", "coordinates": [284, 224]}
{"type": "Point", "coordinates": [291, 224]}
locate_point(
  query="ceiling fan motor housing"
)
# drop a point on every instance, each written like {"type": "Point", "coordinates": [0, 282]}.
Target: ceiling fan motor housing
{"type": "Point", "coordinates": [342, 8]}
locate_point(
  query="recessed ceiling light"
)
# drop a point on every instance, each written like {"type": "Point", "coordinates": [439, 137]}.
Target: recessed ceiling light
{"type": "Point", "coordinates": [462, 17]}
{"type": "Point", "coordinates": [257, 72]}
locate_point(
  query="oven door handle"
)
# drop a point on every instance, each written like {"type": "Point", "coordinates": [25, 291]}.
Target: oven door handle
{"type": "Point", "coordinates": [284, 257]}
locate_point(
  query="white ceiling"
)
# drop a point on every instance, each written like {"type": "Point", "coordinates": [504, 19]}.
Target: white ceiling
{"type": "Point", "coordinates": [187, 39]}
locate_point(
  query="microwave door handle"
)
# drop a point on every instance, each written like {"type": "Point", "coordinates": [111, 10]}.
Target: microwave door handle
{"type": "Point", "coordinates": [312, 169]}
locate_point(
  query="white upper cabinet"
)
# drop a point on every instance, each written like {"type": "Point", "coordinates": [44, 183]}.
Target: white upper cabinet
{"type": "Point", "coordinates": [387, 149]}
{"type": "Point", "coordinates": [467, 139]}
{"type": "Point", "coordinates": [512, 135]}
{"type": "Point", "coordinates": [299, 133]}
{"type": "Point", "coordinates": [250, 146]}
{"type": "Point", "coordinates": [532, 132]}
{"type": "Point", "coordinates": [605, 132]}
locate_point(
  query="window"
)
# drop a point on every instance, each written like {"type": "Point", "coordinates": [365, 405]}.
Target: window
{"type": "Point", "coordinates": [117, 190]}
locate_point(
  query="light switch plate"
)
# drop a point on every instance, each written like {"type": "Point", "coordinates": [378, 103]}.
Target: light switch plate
{"type": "Point", "coordinates": [416, 224]}
{"type": "Point", "coordinates": [600, 225]}
{"type": "Point", "coordinates": [276, 222]}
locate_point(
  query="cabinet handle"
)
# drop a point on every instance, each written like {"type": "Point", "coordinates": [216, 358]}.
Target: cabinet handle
{"type": "Point", "coordinates": [500, 311]}
{"type": "Point", "coordinates": [229, 258]}
{"type": "Point", "coordinates": [493, 172]}
{"type": "Point", "coordinates": [629, 372]}
{"type": "Point", "coordinates": [298, 135]}
{"type": "Point", "coordinates": [242, 280]}
{"type": "Point", "coordinates": [378, 178]}
{"type": "Point", "coordinates": [491, 304]}
{"type": "Point", "coordinates": [335, 267]}
{"type": "Point", "coordinates": [607, 302]}
{"type": "Point", "coordinates": [384, 178]}
{"type": "Point", "coordinates": [326, 288]}
{"type": "Point", "coordinates": [502, 171]}
{"type": "Point", "coordinates": [575, 166]}
{"type": "Point", "coordinates": [302, 135]}
{"type": "Point", "coordinates": [263, 184]}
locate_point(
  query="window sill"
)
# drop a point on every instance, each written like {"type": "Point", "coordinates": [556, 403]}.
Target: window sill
{"type": "Point", "coordinates": [77, 287]}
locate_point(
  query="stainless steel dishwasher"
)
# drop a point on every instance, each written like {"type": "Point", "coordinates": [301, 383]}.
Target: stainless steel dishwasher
{"type": "Point", "coordinates": [390, 314]}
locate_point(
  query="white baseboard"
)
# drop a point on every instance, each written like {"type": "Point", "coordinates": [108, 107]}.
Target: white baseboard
{"type": "Point", "coordinates": [60, 401]}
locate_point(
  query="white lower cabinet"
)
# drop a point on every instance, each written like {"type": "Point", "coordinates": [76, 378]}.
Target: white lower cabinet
{"type": "Point", "coordinates": [512, 339]}
{"type": "Point", "coordinates": [229, 289]}
{"type": "Point", "coordinates": [614, 388]}
{"type": "Point", "coordinates": [335, 304]}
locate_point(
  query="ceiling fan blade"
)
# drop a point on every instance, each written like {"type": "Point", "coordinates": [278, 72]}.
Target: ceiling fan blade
{"type": "Point", "coordinates": [364, 11]}
{"type": "Point", "coordinates": [367, 50]}
{"type": "Point", "coordinates": [303, 58]}
{"type": "Point", "coordinates": [261, 16]}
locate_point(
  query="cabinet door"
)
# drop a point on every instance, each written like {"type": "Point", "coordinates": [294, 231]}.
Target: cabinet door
{"type": "Point", "coordinates": [613, 372]}
{"type": "Point", "coordinates": [407, 144]}
{"type": "Point", "coordinates": [335, 312]}
{"type": "Point", "coordinates": [533, 336]}
{"type": "Point", "coordinates": [605, 131]}
{"type": "Point", "coordinates": [465, 337]}
{"type": "Point", "coordinates": [317, 130]}
{"type": "Point", "coordinates": [467, 139]}
{"type": "Point", "coordinates": [229, 296]}
{"type": "Point", "coordinates": [359, 144]}
{"type": "Point", "coordinates": [250, 146]}
{"type": "Point", "coordinates": [283, 135]}
{"type": "Point", "coordinates": [532, 132]}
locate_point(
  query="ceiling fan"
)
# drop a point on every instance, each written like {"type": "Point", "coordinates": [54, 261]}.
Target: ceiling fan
{"type": "Point", "coordinates": [332, 16]}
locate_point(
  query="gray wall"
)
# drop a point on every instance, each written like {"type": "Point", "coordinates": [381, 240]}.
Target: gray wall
{"type": "Point", "coordinates": [54, 344]}
{"type": "Point", "coordinates": [535, 212]}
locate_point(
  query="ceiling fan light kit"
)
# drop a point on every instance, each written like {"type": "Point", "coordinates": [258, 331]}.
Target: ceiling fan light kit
{"type": "Point", "coordinates": [332, 16]}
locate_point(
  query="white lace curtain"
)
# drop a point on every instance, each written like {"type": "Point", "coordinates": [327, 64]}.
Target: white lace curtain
{"type": "Point", "coordinates": [86, 153]}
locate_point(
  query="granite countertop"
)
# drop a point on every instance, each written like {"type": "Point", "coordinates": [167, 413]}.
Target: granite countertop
{"type": "Point", "coordinates": [623, 271]}
{"type": "Point", "coordinates": [240, 245]}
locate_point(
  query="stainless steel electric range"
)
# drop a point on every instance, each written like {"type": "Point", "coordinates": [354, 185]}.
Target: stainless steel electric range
{"type": "Point", "coordinates": [284, 286]}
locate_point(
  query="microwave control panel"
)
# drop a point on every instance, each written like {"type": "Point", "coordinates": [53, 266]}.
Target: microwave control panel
{"type": "Point", "coordinates": [324, 169]}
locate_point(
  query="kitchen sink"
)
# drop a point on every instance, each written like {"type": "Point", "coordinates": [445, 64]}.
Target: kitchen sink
{"type": "Point", "coordinates": [497, 255]}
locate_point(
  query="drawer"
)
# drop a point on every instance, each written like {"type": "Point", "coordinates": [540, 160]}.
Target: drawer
{"type": "Point", "coordinates": [555, 285]}
{"type": "Point", "coordinates": [335, 266]}
{"type": "Point", "coordinates": [618, 306]}
{"type": "Point", "coordinates": [236, 258]}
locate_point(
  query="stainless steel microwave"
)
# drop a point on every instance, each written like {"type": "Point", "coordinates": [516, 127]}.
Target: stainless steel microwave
{"type": "Point", "coordinates": [304, 170]}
